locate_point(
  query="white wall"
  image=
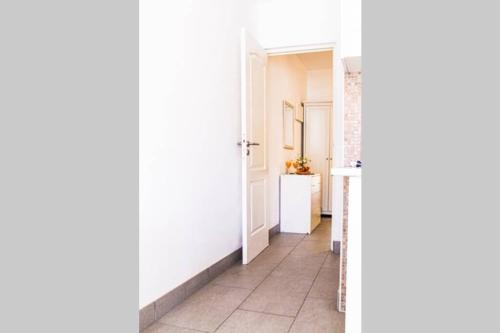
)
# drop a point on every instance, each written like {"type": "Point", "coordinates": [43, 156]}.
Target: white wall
{"type": "Point", "coordinates": [297, 22]}
{"type": "Point", "coordinates": [286, 80]}
{"type": "Point", "coordinates": [286, 23]}
{"type": "Point", "coordinates": [351, 28]}
{"type": "Point", "coordinates": [190, 186]}
{"type": "Point", "coordinates": [190, 191]}
{"type": "Point", "coordinates": [319, 85]}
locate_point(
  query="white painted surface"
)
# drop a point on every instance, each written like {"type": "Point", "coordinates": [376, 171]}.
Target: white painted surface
{"type": "Point", "coordinates": [319, 85]}
{"type": "Point", "coordinates": [354, 248]}
{"type": "Point", "coordinates": [318, 147]}
{"type": "Point", "coordinates": [255, 210]}
{"type": "Point", "coordinates": [351, 28]}
{"type": "Point", "coordinates": [286, 80]}
{"type": "Point", "coordinates": [352, 64]}
{"type": "Point", "coordinates": [300, 49]}
{"type": "Point", "coordinates": [297, 22]}
{"type": "Point", "coordinates": [338, 145]}
{"type": "Point", "coordinates": [300, 203]}
{"type": "Point", "coordinates": [314, 61]}
{"type": "Point", "coordinates": [189, 124]}
{"type": "Point", "coordinates": [353, 274]}
{"type": "Point", "coordinates": [349, 172]}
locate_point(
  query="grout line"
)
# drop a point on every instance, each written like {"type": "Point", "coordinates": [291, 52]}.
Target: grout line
{"type": "Point", "coordinates": [266, 313]}
{"type": "Point", "coordinates": [308, 292]}
{"type": "Point", "coordinates": [186, 295]}
{"type": "Point", "coordinates": [251, 292]}
{"type": "Point", "coordinates": [265, 278]}
{"type": "Point", "coordinates": [226, 286]}
{"type": "Point", "coordinates": [319, 297]}
{"type": "Point", "coordinates": [188, 328]}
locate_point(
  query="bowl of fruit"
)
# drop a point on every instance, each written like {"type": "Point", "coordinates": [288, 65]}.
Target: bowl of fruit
{"type": "Point", "coordinates": [302, 167]}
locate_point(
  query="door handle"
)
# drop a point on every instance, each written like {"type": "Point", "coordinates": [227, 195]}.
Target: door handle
{"type": "Point", "coordinates": [252, 144]}
{"type": "Point", "coordinates": [248, 143]}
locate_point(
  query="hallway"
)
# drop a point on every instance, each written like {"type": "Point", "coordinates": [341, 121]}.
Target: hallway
{"type": "Point", "coordinates": [290, 287]}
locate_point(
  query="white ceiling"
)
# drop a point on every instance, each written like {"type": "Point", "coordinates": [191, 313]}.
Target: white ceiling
{"type": "Point", "coordinates": [316, 60]}
{"type": "Point", "coordinates": [323, 60]}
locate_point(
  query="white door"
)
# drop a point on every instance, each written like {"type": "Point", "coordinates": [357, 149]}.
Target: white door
{"type": "Point", "coordinates": [254, 152]}
{"type": "Point", "coordinates": [317, 147]}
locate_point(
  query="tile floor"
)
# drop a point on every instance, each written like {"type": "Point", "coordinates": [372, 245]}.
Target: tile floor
{"type": "Point", "coordinates": [290, 287]}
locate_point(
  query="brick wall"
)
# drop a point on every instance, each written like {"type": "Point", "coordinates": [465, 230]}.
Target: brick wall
{"type": "Point", "coordinates": [352, 118]}
{"type": "Point", "coordinates": [352, 152]}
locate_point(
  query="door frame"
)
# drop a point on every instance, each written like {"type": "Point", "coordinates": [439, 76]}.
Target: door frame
{"type": "Point", "coordinates": [320, 103]}
{"type": "Point", "coordinates": [337, 126]}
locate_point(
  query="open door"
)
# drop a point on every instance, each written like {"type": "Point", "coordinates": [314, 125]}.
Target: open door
{"type": "Point", "coordinates": [253, 148]}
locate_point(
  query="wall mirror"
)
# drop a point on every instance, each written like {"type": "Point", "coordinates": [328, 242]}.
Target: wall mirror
{"type": "Point", "coordinates": [288, 124]}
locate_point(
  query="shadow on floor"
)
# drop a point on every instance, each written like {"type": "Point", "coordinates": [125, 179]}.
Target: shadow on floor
{"type": "Point", "coordinates": [290, 287]}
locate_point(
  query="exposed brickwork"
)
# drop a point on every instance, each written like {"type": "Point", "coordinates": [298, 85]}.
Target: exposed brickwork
{"type": "Point", "coordinates": [352, 118]}
{"type": "Point", "coordinates": [352, 152]}
{"type": "Point", "coordinates": [344, 245]}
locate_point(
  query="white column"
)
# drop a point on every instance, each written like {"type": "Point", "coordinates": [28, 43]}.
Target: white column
{"type": "Point", "coordinates": [353, 273]}
{"type": "Point", "coordinates": [353, 269]}
{"type": "Point", "coordinates": [338, 143]}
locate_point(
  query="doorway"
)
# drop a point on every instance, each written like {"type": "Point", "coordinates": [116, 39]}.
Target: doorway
{"type": "Point", "coordinates": [321, 95]}
{"type": "Point", "coordinates": [303, 83]}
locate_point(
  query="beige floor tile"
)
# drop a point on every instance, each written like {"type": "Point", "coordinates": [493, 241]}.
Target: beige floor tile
{"type": "Point", "coordinates": [242, 321]}
{"type": "Point", "coordinates": [274, 303]}
{"type": "Point", "coordinates": [273, 254]}
{"type": "Point", "coordinates": [294, 261]}
{"type": "Point", "coordinates": [318, 316]}
{"type": "Point", "coordinates": [256, 267]}
{"type": "Point", "coordinates": [299, 266]}
{"type": "Point", "coordinates": [286, 284]}
{"type": "Point", "coordinates": [311, 247]}
{"type": "Point", "coordinates": [163, 328]}
{"type": "Point", "coordinates": [268, 292]}
{"type": "Point", "coordinates": [280, 295]}
{"type": "Point", "coordinates": [239, 280]}
{"type": "Point", "coordinates": [326, 284]}
{"type": "Point", "coordinates": [318, 237]}
{"type": "Point", "coordinates": [206, 309]}
{"type": "Point", "coordinates": [286, 239]}
{"type": "Point", "coordinates": [320, 234]}
{"type": "Point", "coordinates": [246, 276]}
{"type": "Point", "coordinates": [332, 260]}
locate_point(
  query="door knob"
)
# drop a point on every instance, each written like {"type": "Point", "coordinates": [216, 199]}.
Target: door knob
{"type": "Point", "coordinates": [252, 144]}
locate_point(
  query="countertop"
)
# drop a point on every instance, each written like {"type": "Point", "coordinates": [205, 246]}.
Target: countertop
{"type": "Point", "coordinates": [346, 172]}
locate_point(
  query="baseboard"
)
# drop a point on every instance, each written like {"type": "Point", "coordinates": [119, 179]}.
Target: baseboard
{"type": "Point", "coordinates": [274, 231]}
{"type": "Point", "coordinates": [336, 247]}
{"type": "Point", "coordinates": [151, 313]}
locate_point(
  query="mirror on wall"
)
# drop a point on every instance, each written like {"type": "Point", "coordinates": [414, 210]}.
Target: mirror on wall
{"type": "Point", "coordinates": [288, 124]}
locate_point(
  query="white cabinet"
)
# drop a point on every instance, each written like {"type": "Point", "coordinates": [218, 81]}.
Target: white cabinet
{"type": "Point", "coordinates": [300, 203]}
{"type": "Point", "coordinates": [318, 147]}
